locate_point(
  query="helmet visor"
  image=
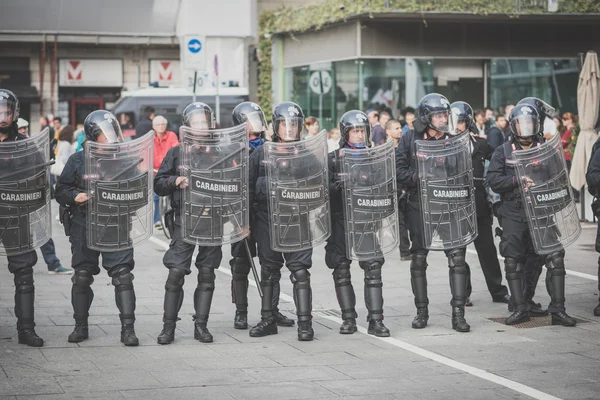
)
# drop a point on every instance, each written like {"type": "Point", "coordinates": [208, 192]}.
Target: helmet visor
{"type": "Point", "coordinates": [7, 112]}
{"type": "Point", "coordinates": [111, 130]}
{"type": "Point", "coordinates": [358, 135]}
{"type": "Point", "coordinates": [256, 122]}
{"type": "Point", "coordinates": [458, 122]}
{"type": "Point", "coordinates": [289, 128]}
{"type": "Point", "coordinates": [199, 119]}
{"type": "Point", "coordinates": [525, 125]}
{"type": "Point", "coordinates": [440, 121]}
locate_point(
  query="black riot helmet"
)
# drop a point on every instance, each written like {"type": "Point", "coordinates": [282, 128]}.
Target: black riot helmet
{"type": "Point", "coordinates": [461, 118]}
{"type": "Point", "coordinates": [544, 109]}
{"type": "Point", "coordinates": [9, 111]}
{"type": "Point", "coordinates": [288, 120]}
{"type": "Point", "coordinates": [355, 128]}
{"type": "Point", "coordinates": [524, 123]}
{"type": "Point", "coordinates": [433, 111]}
{"type": "Point", "coordinates": [102, 122]}
{"type": "Point", "coordinates": [198, 115]}
{"type": "Point", "coordinates": [252, 114]}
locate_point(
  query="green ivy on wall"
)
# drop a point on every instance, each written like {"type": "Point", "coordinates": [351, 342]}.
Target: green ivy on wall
{"type": "Point", "coordinates": [316, 16]}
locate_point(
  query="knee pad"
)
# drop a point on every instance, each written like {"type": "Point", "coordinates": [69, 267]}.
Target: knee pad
{"type": "Point", "coordinates": [269, 276]}
{"type": "Point", "coordinates": [373, 273]}
{"type": "Point", "coordinates": [418, 265]}
{"type": "Point", "coordinates": [300, 276]}
{"type": "Point", "coordinates": [555, 263]}
{"type": "Point", "coordinates": [511, 265]}
{"type": "Point", "coordinates": [341, 275]}
{"type": "Point", "coordinates": [122, 279]}
{"type": "Point", "coordinates": [24, 280]}
{"type": "Point", "coordinates": [82, 277]}
{"type": "Point", "coordinates": [206, 279]}
{"type": "Point", "coordinates": [240, 268]}
{"type": "Point", "coordinates": [175, 280]}
{"type": "Point", "coordinates": [456, 258]}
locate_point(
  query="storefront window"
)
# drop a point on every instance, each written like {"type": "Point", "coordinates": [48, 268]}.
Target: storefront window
{"type": "Point", "coordinates": [554, 81]}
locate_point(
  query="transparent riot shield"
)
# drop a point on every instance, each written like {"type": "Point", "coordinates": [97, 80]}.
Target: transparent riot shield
{"type": "Point", "coordinates": [214, 210]}
{"type": "Point", "coordinates": [119, 179]}
{"type": "Point", "coordinates": [25, 221]}
{"type": "Point", "coordinates": [547, 196]}
{"type": "Point", "coordinates": [370, 201]}
{"type": "Point", "coordinates": [446, 192]}
{"type": "Point", "coordinates": [298, 193]}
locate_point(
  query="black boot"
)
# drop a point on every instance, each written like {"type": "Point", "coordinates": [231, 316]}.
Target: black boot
{"type": "Point", "coordinates": [267, 325]}
{"type": "Point", "coordinates": [348, 327]}
{"type": "Point", "coordinates": [555, 282]}
{"type": "Point", "coordinates": [24, 298]}
{"type": "Point", "coordinates": [241, 320]}
{"type": "Point", "coordinates": [240, 269]}
{"type": "Point", "coordinates": [305, 331]}
{"type": "Point", "coordinates": [303, 301]}
{"type": "Point", "coordinates": [280, 319]}
{"type": "Point", "coordinates": [459, 323]}
{"type": "Point", "coordinates": [418, 281]}
{"type": "Point", "coordinates": [597, 310]}
{"type": "Point", "coordinates": [514, 280]}
{"type": "Point", "coordinates": [122, 279]}
{"type": "Point", "coordinates": [80, 333]}
{"type": "Point", "coordinates": [81, 299]}
{"type": "Point", "coordinates": [421, 318]}
{"type": "Point", "coordinates": [202, 301]}
{"type": "Point", "coordinates": [530, 282]}
{"type": "Point", "coordinates": [377, 328]}
{"type": "Point", "coordinates": [201, 332]}
{"type": "Point", "coordinates": [346, 298]}
{"type": "Point", "coordinates": [172, 305]}
{"type": "Point", "coordinates": [562, 318]}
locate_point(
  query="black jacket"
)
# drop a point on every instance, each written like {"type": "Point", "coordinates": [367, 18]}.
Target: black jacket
{"type": "Point", "coordinates": [481, 151]}
{"type": "Point", "coordinates": [70, 184]}
{"type": "Point", "coordinates": [143, 127]}
{"type": "Point", "coordinates": [502, 179]}
{"type": "Point", "coordinates": [592, 175]}
{"type": "Point", "coordinates": [164, 180]}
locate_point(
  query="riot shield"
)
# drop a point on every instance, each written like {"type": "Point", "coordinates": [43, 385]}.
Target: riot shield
{"type": "Point", "coordinates": [298, 193]}
{"type": "Point", "coordinates": [370, 201]}
{"type": "Point", "coordinates": [214, 209]}
{"type": "Point", "coordinates": [446, 192]}
{"type": "Point", "coordinates": [547, 196]}
{"type": "Point", "coordinates": [25, 221]}
{"type": "Point", "coordinates": [119, 179]}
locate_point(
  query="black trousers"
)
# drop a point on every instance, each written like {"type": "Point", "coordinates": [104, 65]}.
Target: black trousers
{"type": "Point", "coordinates": [180, 252]}
{"type": "Point", "coordinates": [488, 258]}
{"type": "Point", "coordinates": [86, 258]}
{"type": "Point", "coordinates": [403, 231]}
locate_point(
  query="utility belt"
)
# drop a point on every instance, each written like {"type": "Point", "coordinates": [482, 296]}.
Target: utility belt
{"type": "Point", "coordinates": [67, 215]}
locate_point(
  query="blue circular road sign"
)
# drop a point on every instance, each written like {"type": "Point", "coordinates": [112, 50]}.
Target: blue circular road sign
{"type": "Point", "coordinates": [194, 46]}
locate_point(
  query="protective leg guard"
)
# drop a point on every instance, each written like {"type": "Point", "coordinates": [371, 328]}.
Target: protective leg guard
{"type": "Point", "coordinates": [344, 291]}
{"type": "Point", "coordinates": [418, 280]}
{"type": "Point", "coordinates": [597, 309]}
{"type": "Point", "coordinates": [239, 284]}
{"type": "Point", "coordinates": [303, 301]}
{"type": "Point", "coordinates": [172, 304]}
{"type": "Point", "coordinates": [81, 299]}
{"type": "Point", "coordinates": [267, 324]}
{"type": "Point", "coordinates": [24, 311]}
{"type": "Point", "coordinates": [457, 270]}
{"type": "Point", "coordinates": [202, 301]}
{"type": "Point", "coordinates": [530, 282]}
{"type": "Point", "coordinates": [555, 282]}
{"type": "Point", "coordinates": [122, 280]}
{"type": "Point", "coordinates": [514, 275]}
{"type": "Point", "coordinates": [374, 299]}
{"type": "Point", "coordinates": [281, 319]}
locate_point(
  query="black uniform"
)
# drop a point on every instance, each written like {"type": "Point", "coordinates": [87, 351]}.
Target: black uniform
{"type": "Point", "coordinates": [335, 258]}
{"type": "Point", "coordinates": [484, 243]}
{"type": "Point", "coordinates": [21, 266]}
{"type": "Point", "coordinates": [407, 175]}
{"type": "Point", "coordinates": [178, 258]}
{"type": "Point", "coordinates": [593, 180]}
{"type": "Point", "coordinates": [516, 245]}
{"type": "Point", "coordinates": [119, 264]}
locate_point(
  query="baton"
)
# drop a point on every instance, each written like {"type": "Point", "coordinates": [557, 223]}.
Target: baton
{"type": "Point", "coordinates": [135, 164]}
{"type": "Point", "coordinates": [45, 165]}
{"type": "Point", "coordinates": [253, 267]}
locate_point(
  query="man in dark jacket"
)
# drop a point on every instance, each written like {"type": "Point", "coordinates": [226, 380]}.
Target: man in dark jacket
{"type": "Point", "coordinates": [145, 125]}
{"type": "Point", "coordinates": [593, 180]}
{"type": "Point", "coordinates": [432, 123]}
{"type": "Point", "coordinates": [71, 192]}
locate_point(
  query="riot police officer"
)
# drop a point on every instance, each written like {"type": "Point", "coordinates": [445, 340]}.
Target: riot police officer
{"type": "Point", "coordinates": [432, 123]}
{"type": "Point", "coordinates": [355, 132]}
{"type": "Point", "coordinates": [593, 180]}
{"type": "Point", "coordinates": [178, 258]}
{"type": "Point", "coordinates": [516, 245]}
{"type": "Point", "coordinates": [251, 113]}
{"type": "Point", "coordinates": [288, 120]}
{"type": "Point", "coordinates": [462, 113]}
{"type": "Point", "coordinates": [20, 265]}
{"type": "Point", "coordinates": [71, 192]}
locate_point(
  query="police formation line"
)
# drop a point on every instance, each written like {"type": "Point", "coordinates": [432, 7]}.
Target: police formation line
{"type": "Point", "coordinates": [279, 199]}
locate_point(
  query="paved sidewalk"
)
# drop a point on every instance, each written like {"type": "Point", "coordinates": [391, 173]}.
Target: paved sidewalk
{"type": "Point", "coordinates": [493, 361]}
